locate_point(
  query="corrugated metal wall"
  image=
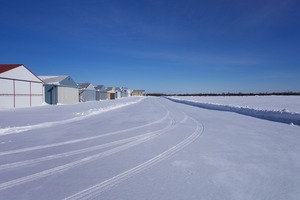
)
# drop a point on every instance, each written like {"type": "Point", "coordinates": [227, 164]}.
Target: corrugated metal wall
{"type": "Point", "coordinates": [67, 95]}
{"type": "Point", "coordinates": [55, 94]}
{"type": "Point", "coordinates": [101, 95]}
{"type": "Point", "coordinates": [89, 95]}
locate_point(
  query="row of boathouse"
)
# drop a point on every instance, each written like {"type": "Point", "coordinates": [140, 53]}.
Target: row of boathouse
{"type": "Point", "coordinates": [19, 87]}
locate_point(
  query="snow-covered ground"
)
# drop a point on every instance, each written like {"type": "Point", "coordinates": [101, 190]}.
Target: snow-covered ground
{"type": "Point", "coordinates": [147, 148]}
{"type": "Point", "coordinates": [23, 119]}
{"type": "Point", "coordinates": [288, 103]}
{"type": "Point", "coordinates": [285, 109]}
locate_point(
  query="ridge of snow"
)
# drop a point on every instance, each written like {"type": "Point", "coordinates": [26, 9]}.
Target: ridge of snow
{"type": "Point", "coordinates": [283, 116]}
{"type": "Point", "coordinates": [79, 116]}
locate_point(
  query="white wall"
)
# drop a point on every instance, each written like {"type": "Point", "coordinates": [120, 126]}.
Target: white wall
{"type": "Point", "coordinates": [67, 95]}
{"type": "Point", "coordinates": [19, 94]}
{"type": "Point", "coordinates": [6, 93]}
{"type": "Point", "coordinates": [37, 94]}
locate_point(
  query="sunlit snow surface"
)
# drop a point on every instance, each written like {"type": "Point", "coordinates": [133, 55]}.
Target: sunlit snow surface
{"type": "Point", "coordinates": [288, 103]}
{"type": "Point", "coordinates": [275, 108]}
{"type": "Point", "coordinates": [150, 148]}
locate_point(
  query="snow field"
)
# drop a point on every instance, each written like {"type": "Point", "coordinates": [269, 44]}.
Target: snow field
{"type": "Point", "coordinates": [112, 148]}
{"type": "Point", "coordinates": [152, 149]}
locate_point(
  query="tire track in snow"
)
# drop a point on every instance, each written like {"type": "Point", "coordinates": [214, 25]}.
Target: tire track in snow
{"type": "Point", "coordinates": [82, 139]}
{"type": "Point", "coordinates": [62, 168]}
{"type": "Point", "coordinates": [96, 190]}
{"type": "Point", "coordinates": [66, 154]}
{"type": "Point", "coordinates": [75, 152]}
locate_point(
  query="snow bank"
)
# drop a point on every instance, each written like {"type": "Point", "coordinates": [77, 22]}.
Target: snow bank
{"type": "Point", "coordinates": [283, 115]}
{"type": "Point", "coordinates": [272, 102]}
{"type": "Point", "coordinates": [78, 117]}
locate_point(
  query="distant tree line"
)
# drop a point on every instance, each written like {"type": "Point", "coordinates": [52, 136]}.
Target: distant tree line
{"type": "Point", "coordinates": [229, 94]}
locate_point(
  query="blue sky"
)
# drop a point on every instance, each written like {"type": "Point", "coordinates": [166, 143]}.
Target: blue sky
{"type": "Point", "coordinates": [171, 46]}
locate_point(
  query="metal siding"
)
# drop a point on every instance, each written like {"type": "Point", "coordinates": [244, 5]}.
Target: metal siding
{"type": "Point", "coordinates": [50, 94]}
{"type": "Point", "coordinates": [68, 95]}
{"type": "Point", "coordinates": [6, 86]}
{"type": "Point", "coordinates": [36, 88]}
{"type": "Point", "coordinates": [97, 95]}
{"type": "Point", "coordinates": [103, 95]}
{"type": "Point", "coordinates": [37, 94]}
{"type": "Point", "coordinates": [6, 102]}
{"type": "Point", "coordinates": [89, 95]}
{"type": "Point", "coordinates": [20, 88]}
{"type": "Point", "coordinates": [22, 101]}
{"type": "Point", "coordinates": [46, 94]}
{"type": "Point", "coordinates": [6, 93]}
{"type": "Point", "coordinates": [36, 100]}
{"type": "Point", "coordinates": [22, 94]}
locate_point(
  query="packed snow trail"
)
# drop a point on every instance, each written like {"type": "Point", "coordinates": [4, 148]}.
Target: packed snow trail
{"type": "Point", "coordinates": [71, 165]}
{"type": "Point", "coordinates": [137, 140]}
{"type": "Point", "coordinates": [71, 153]}
{"type": "Point", "coordinates": [96, 190]}
{"type": "Point", "coordinates": [82, 139]}
{"type": "Point", "coordinates": [129, 142]}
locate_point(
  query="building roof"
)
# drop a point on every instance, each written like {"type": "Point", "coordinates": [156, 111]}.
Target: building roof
{"type": "Point", "coordinates": [100, 87]}
{"type": "Point", "coordinates": [83, 85]}
{"type": "Point", "coordinates": [86, 86]}
{"type": "Point", "coordinates": [118, 89]}
{"type": "Point", "coordinates": [109, 88]}
{"type": "Point", "coordinates": [53, 79]}
{"type": "Point", "coordinates": [7, 67]}
{"type": "Point", "coordinates": [18, 72]}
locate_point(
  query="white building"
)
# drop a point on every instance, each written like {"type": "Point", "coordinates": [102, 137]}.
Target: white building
{"type": "Point", "coordinates": [19, 87]}
{"type": "Point", "coordinates": [60, 90]}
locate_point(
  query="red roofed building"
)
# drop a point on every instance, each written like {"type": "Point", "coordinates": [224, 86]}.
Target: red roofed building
{"type": "Point", "coordinates": [19, 87]}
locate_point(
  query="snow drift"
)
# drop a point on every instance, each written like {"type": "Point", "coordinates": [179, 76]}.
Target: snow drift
{"type": "Point", "coordinates": [283, 116]}
{"type": "Point", "coordinates": [80, 115]}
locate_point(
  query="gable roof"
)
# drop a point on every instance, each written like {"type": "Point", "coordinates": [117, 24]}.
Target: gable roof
{"type": "Point", "coordinates": [52, 79]}
{"type": "Point", "coordinates": [100, 87]}
{"type": "Point", "coordinates": [7, 67]}
{"type": "Point", "coordinates": [118, 89]}
{"type": "Point", "coordinates": [64, 81]}
{"type": "Point", "coordinates": [86, 86]}
{"type": "Point", "coordinates": [83, 85]}
{"type": "Point", "coordinates": [109, 88]}
{"type": "Point", "coordinates": [18, 72]}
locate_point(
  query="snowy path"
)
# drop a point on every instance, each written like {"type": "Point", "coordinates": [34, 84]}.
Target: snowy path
{"type": "Point", "coordinates": [152, 148]}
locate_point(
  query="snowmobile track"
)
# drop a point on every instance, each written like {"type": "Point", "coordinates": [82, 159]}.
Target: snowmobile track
{"type": "Point", "coordinates": [85, 160]}
{"type": "Point", "coordinates": [82, 139]}
{"type": "Point", "coordinates": [96, 190]}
